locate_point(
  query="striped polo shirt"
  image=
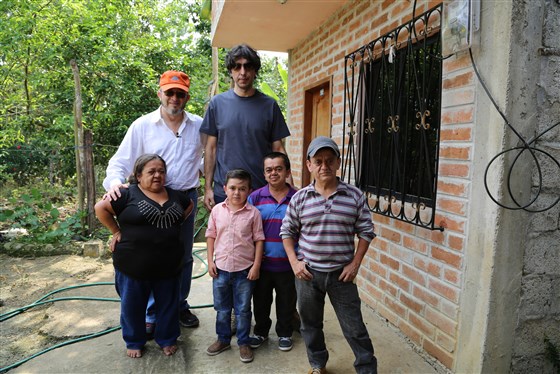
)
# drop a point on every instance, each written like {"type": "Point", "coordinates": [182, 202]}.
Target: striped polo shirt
{"type": "Point", "coordinates": [272, 212]}
{"type": "Point", "coordinates": [327, 227]}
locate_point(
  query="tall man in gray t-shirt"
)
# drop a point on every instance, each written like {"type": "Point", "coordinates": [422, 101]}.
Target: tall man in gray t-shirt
{"type": "Point", "coordinates": [242, 124]}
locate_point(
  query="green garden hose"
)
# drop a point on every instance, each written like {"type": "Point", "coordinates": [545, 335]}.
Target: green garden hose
{"type": "Point", "coordinates": [43, 300]}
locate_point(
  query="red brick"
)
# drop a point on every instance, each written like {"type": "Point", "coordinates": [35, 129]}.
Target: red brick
{"type": "Point", "coordinates": [401, 253]}
{"type": "Point", "coordinates": [395, 307]}
{"type": "Point", "coordinates": [373, 291]}
{"type": "Point", "coordinates": [415, 244]}
{"type": "Point", "coordinates": [449, 292]}
{"type": "Point", "coordinates": [452, 206]}
{"type": "Point", "coordinates": [404, 226]}
{"type": "Point", "coordinates": [446, 342]}
{"type": "Point", "coordinates": [367, 298]}
{"type": "Point", "coordinates": [423, 295]}
{"type": "Point", "coordinates": [412, 333]}
{"type": "Point", "coordinates": [456, 134]}
{"type": "Point", "coordinates": [455, 153]}
{"type": "Point", "coordinates": [449, 258]}
{"type": "Point", "coordinates": [412, 304]}
{"type": "Point", "coordinates": [399, 8]}
{"type": "Point", "coordinates": [386, 260]}
{"type": "Point", "coordinates": [451, 188]}
{"type": "Point", "coordinates": [440, 354]}
{"type": "Point", "coordinates": [380, 270]}
{"type": "Point", "coordinates": [388, 287]}
{"type": "Point", "coordinates": [441, 321]}
{"type": "Point", "coordinates": [457, 97]}
{"type": "Point", "coordinates": [391, 235]}
{"type": "Point", "coordinates": [451, 224]}
{"type": "Point", "coordinates": [421, 324]}
{"type": "Point", "coordinates": [456, 116]}
{"type": "Point", "coordinates": [414, 275]}
{"type": "Point", "coordinates": [428, 266]}
{"type": "Point", "coordinates": [435, 236]}
{"type": "Point", "coordinates": [455, 242]}
{"type": "Point", "coordinates": [453, 170]}
{"type": "Point", "coordinates": [458, 62]}
{"type": "Point", "coordinates": [452, 276]}
{"type": "Point", "coordinates": [449, 308]}
{"type": "Point", "coordinates": [401, 282]}
{"type": "Point", "coordinates": [388, 314]}
{"type": "Point", "coordinates": [458, 80]}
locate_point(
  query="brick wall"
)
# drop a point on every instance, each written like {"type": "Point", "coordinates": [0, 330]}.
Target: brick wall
{"type": "Point", "coordinates": [411, 276]}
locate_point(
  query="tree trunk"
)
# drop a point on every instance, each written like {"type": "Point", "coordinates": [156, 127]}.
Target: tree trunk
{"type": "Point", "coordinates": [78, 136]}
{"type": "Point", "coordinates": [90, 181]}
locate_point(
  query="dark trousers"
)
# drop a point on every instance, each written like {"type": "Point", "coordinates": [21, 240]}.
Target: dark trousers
{"type": "Point", "coordinates": [283, 284]}
{"type": "Point", "coordinates": [346, 302]}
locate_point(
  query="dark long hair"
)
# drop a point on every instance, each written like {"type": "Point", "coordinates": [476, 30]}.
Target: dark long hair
{"type": "Point", "coordinates": [243, 51]}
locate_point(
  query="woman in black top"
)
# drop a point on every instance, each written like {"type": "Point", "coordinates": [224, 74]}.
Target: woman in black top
{"type": "Point", "coordinates": [147, 252]}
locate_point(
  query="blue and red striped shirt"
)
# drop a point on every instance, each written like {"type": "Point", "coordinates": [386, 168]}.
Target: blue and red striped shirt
{"type": "Point", "coordinates": [272, 212]}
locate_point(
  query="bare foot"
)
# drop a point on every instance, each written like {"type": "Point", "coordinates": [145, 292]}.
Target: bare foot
{"type": "Point", "coordinates": [169, 350]}
{"type": "Point", "coordinates": [134, 353]}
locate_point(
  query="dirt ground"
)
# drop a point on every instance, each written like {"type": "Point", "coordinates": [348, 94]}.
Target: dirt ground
{"type": "Point", "coordinates": [25, 280]}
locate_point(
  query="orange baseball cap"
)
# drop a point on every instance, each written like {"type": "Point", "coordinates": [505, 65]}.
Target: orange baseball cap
{"type": "Point", "coordinates": [174, 79]}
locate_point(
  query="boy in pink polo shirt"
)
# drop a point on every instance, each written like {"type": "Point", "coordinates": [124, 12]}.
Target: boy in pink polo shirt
{"type": "Point", "coordinates": [235, 242]}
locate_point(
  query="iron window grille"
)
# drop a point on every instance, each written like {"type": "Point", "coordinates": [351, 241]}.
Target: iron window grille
{"type": "Point", "coordinates": [392, 101]}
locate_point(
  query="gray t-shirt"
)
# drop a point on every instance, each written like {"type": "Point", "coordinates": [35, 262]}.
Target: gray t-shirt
{"type": "Point", "coordinates": [245, 127]}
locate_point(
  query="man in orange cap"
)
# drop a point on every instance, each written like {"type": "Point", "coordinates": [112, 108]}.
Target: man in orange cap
{"type": "Point", "coordinates": [173, 134]}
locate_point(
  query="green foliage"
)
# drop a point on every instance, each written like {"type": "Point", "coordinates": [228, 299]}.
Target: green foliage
{"type": "Point", "coordinates": [39, 212]}
{"type": "Point", "coordinates": [120, 47]}
{"type": "Point", "coordinates": [273, 80]}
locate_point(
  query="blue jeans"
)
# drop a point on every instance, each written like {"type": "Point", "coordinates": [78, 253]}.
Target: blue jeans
{"type": "Point", "coordinates": [134, 296]}
{"type": "Point", "coordinates": [187, 231]}
{"type": "Point", "coordinates": [346, 303]}
{"type": "Point", "coordinates": [233, 291]}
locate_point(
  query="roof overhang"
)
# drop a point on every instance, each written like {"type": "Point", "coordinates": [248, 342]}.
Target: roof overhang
{"type": "Point", "coordinates": [272, 25]}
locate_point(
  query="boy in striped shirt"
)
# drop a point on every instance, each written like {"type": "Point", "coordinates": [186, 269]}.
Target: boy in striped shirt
{"type": "Point", "coordinates": [324, 218]}
{"type": "Point", "coordinates": [276, 273]}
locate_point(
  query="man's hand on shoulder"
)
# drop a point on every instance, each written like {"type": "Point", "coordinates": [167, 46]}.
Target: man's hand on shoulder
{"type": "Point", "coordinates": [114, 192]}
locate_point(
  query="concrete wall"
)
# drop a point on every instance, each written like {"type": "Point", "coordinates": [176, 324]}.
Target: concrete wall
{"type": "Point", "coordinates": [539, 304]}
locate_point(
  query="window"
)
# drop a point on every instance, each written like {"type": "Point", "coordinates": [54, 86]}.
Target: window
{"type": "Point", "coordinates": [393, 106]}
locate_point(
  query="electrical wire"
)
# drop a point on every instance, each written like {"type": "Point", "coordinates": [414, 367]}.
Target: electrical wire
{"type": "Point", "coordinates": [526, 146]}
{"type": "Point", "coordinates": [45, 300]}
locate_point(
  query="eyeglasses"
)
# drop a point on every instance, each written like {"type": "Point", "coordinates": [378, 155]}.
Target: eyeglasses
{"type": "Point", "coordinates": [277, 169]}
{"type": "Point", "coordinates": [246, 66]}
{"type": "Point", "coordinates": [179, 94]}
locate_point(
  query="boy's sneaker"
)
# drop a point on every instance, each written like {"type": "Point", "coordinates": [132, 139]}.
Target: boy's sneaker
{"type": "Point", "coordinates": [256, 341]}
{"type": "Point", "coordinates": [285, 343]}
{"type": "Point", "coordinates": [245, 353]}
{"type": "Point", "coordinates": [217, 348]}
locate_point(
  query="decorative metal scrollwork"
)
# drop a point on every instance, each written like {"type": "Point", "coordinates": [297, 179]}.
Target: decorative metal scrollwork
{"type": "Point", "coordinates": [418, 206]}
{"type": "Point", "coordinates": [423, 124]}
{"type": "Point", "coordinates": [369, 122]}
{"type": "Point", "coordinates": [352, 126]}
{"type": "Point", "coordinates": [392, 120]}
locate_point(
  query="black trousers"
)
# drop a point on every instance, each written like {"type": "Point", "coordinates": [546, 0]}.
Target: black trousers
{"type": "Point", "coordinates": [284, 285]}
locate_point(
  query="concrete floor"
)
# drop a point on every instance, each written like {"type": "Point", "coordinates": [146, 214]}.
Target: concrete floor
{"type": "Point", "coordinates": [106, 354]}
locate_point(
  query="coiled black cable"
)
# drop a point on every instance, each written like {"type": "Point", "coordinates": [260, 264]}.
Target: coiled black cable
{"type": "Point", "coordinates": [527, 145]}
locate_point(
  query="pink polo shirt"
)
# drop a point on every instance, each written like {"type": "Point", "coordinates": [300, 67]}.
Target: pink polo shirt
{"type": "Point", "coordinates": [235, 233]}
